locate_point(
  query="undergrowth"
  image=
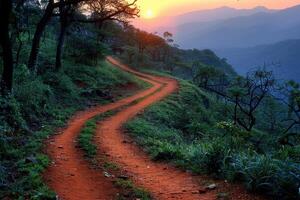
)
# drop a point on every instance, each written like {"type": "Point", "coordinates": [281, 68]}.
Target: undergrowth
{"type": "Point", "coordinates": [39, 105]}
{"type": "Point", "coordinates": [191, 129]}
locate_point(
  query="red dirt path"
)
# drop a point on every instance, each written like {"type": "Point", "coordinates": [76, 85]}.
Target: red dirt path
{"type": "Point", "coordinates": [71, 177]}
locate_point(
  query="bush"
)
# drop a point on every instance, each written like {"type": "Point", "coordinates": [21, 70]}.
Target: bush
{"type": "Point", "coordinates": [264, 174]}
{"type": "Point", "coordinates": [10, 117]}
{"type": "Point", "coordinates": [210, 157]}
{"type": "Point", "coordinates": [187, 130]}
{"type": "Point", "coordinates": [29, 115]}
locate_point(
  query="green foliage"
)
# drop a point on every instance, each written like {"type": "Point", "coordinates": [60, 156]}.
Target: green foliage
{"type": "Point", "coordinates": [191, 129]}
{"type": "Point", "coordinates": [206, 75]}
{"type": "Point", "coordinates": [207, 57]}
{"type": "Point", "coordinates": [264, 174]}
{"type": "Point", "coordinates": [83, 48]}
{"type": "Point", "coordinates": [291, 153]}
{"type": "Point", "coordinates": [136, 192]}
{"type": "Point", "coordinates": [37, 105]}
{"type": "Point", "coordinates": [11, 118]}
{"type": "Point", "coordinates": [85, 139]}
{"type": "Point", "coordinates": [231, 129]}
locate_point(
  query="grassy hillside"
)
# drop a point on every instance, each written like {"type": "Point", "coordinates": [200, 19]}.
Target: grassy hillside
{"type": "Point", "coordinates": [41, 103]}
{"type": "Point", "coordinates": [192, 130]}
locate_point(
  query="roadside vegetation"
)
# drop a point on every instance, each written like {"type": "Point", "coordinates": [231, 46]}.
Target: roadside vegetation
{"type": "Point", "coordinates": [192, 130]}
{"type": "Point", "coordinates": [52, 64]}
{"type": "Point", "coordinates": [40, 101]}
{"type": "Point", "coordinates": [126, 188]}
{"type": "Point", "coordinates": [39, 106]}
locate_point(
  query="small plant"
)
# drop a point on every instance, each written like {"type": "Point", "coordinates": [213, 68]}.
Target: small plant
{"type": "Point", "coordinates": [134, 191]}
{"type": "Point", "coordinates": [110, 166]}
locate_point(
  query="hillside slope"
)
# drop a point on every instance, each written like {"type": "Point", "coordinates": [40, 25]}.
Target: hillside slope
{"type": "Point", "coordinates": [192, 130]}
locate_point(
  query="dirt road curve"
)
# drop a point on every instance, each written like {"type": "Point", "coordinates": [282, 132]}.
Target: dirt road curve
{"type": "Point", "coordinates": [71, 177]}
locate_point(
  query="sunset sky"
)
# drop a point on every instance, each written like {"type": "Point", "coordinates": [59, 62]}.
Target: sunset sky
{"type": "Point", "coordinates": [156, 8]}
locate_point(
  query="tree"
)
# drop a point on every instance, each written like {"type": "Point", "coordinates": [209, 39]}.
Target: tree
{"type": "Point", "coordinates": [247, 94]}
{"type": "Point", "coordinates": [5, 42]}
{"type": "Point", "coordinates": [65, 11]}
{"type": "Point", "coordinates": [102, 11]}
{"type": "Point", "coordinates": [168, 37]}
{"type": "Point", "coordinates": [143, 39]}
{"type": "Point", "coordinates": [271, 113]}
{"type": "Point", "coordinates": [156, 44]}
{"type": "Point", "coordinates": [290, 96]}
{"type": "Point", "coordinates": [167, 49]}
{"type": "Point", "coordinates": [206, 76]}
{"type": "Point", "coordinates": [48, 13]}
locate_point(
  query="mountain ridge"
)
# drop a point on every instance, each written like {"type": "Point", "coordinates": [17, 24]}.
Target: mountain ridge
{"type": "Point", "coordinates": [225, 12]}
{"type": "Point", "coordinates": [281, 57]}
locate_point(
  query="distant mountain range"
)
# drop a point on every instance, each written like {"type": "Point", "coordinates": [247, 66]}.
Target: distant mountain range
{"type": "Point", "coordinates": [282, 57]}
{"type": "Point", "coordinates": [170, 23]}
{"type": "Point", "coordinates": [246, 37]}
{"type": "Point", "coordinates": [242, 31]}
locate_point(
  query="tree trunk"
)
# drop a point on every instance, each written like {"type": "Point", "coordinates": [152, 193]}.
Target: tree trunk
{"type": "Point", "coordinates": [235, 110]}
{"type": "Point", "coordinates": [60, 46]}
{"type": "Point", "coordinates": [64, 24]}
{"type": "Point", "coordinates": [7, 74]}
{"type": "Point", "coordinates": [19, 51]}
{"type": "Point", "coordinates": [37, 37]}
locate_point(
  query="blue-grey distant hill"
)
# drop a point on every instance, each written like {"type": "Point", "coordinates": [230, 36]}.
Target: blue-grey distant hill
{"type": "Point", "coordinates": [170, 23]}
{"type": "Point", "coordinates": [285, 55]}
{"type": "Point", "coordinates": [263, 27]}
{"type": "Point", "coordinates": [217, 14]}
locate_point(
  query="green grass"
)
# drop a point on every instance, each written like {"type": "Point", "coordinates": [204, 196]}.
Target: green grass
{"type": "Point", "coordinates": [135, 192]}
{"type": "Point", "coordinates": [38, 106]}
{"type": "Point", "coordinates": [85, 141]}
{"type": "Point", "coordinates": [85, 138]}
{"type": "Point", "coordinates": [191, 129]}
{"type": "Point", "coordinates": [107, 165]}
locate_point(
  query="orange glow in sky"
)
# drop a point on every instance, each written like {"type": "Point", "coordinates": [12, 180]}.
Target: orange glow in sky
{"type": "Point", "coordinates": [156, 8]}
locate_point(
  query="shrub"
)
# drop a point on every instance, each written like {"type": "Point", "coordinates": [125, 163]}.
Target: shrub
{"type": "Point", "coordinates": [210, 157]}
{"type": "Point", "coordinates": [264, 174]}
{"type": "Point", "coordinates": [10, 117]}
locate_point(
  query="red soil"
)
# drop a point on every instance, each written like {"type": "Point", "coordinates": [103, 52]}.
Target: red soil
{"type": "Point", "coordinates": [71, 177]}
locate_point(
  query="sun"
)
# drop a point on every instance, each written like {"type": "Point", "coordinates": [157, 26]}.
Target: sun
{"type": "Point", "coordinates": [149, 14]}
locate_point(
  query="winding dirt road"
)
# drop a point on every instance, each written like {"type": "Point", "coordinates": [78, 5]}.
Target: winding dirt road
{"type": "Point", "coordinates": [71, 177]}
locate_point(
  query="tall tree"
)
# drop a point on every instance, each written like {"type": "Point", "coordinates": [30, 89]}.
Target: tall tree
{"type": "Point", "coordinates": [38, 34]}
{"type": "Point", "coordinates": [65, 11]}
{"type": "Point", "coordinates": [101, 11]}
{"type": "Point", "coordinates": [7, 75]}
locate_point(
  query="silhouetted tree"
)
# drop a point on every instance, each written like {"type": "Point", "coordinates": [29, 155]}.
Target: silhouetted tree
{"type": "Point", "coordinates": [206, 76]}
{"type": "Point", "coordinates": [5, 42]}
{"type": "Point", "coordinates": [101, 11]}
{"type": "Point", "coordinates": [48, 13]}
{"type": "Point", "coordinates": [290, 92]}
{"type": "Point", "coordinates": [247, 94]}
{"type": "Point", "coordinates": [65, 13]}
